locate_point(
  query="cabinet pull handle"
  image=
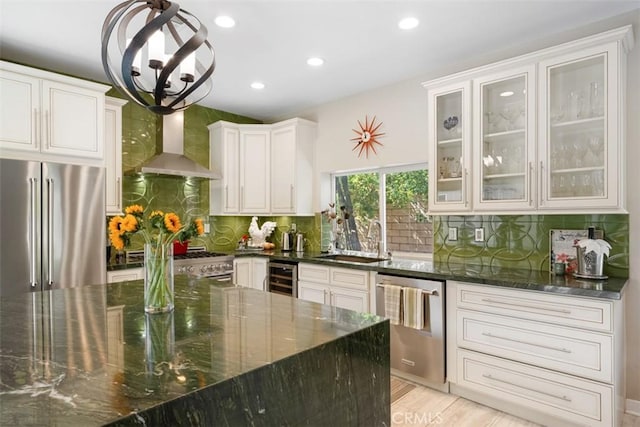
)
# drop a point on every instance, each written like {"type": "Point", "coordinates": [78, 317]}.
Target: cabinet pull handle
{"type": "Point", "coordinates": [241, 197]}
{"type": "Point", "coordinates": [491, 377]}
{"type": "Point", "coordinates": [531, 178]}
{"type": "Point", "coordinates": [464, 187]}
{"type": "Point", "coordinates": [226, 197]}
{"type": "Point", "coordinates": [555, 310]}
{"type": "Point", "coordinates": [118, 189]}
{"type": "Point", "coordinates": [47, 131]}
{"type": "Point", "coordinates": [292, 196]}
{"type": "Point", "coordinates": [548, 347]}
{"type": "Point", "coordinates": [50, 232]}
{"type": "Point", "coordinates": [36, 127]}
{"type": "Point", "coordinates": [33, 281]}
{"type": "Point", "coordinates": [542, 189]}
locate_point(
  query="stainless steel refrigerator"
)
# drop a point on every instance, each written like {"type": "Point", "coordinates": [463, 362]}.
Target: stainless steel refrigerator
{"type": "Point", "coordinates": [52, 226]}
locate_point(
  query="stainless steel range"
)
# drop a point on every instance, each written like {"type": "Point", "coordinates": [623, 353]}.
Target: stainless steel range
{"type": "Point", "coordinates": [197, 262]}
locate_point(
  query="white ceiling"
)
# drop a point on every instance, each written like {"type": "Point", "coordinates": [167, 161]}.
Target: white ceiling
{"type": "Point", "coordinates": [359, 40]}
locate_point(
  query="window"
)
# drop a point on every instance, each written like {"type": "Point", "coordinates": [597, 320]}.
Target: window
{"type": "Point", "coordinates": [386, 205]}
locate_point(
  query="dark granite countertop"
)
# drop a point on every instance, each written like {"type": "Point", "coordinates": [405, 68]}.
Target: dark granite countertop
{"type": "Point", "coordinates": [90, 356]}
{"type": "Point", "coordinates": [611, 288]}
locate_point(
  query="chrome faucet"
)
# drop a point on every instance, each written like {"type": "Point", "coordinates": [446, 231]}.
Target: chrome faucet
{"type": "Point", "coordinates": [379, 243]}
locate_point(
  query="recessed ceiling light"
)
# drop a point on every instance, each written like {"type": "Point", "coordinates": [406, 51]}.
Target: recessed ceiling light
{"type": "Point", "coordinates": [315, 62]}
{"type": "Point", "coordinates": [408, 23]}
{"type": "Point", "coordinates": [225, 21]}
{"type": "Point", "coordinates": [257, 85]}
{"type": "Point", "coordinates": [506, 93]}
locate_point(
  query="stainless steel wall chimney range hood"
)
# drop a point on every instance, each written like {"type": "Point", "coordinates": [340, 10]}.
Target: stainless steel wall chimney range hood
{"type": "Point", "coordinates": [172, 161]}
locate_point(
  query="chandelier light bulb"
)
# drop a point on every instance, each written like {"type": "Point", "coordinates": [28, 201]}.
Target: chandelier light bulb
{"type": "Point", "coordinates": [156, 50]}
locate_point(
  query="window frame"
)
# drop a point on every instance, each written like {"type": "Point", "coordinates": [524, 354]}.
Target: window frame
{"type": "Point", "coordinates": [382, 171]}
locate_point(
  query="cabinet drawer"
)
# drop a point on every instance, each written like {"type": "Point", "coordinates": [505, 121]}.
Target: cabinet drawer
{"type": "Point", "coordinates": [584, 353]}
{"type": "Point", "coordinates": [358, 279]}
{"type": "Point", "coordinates": [576, 400]}
{"type": "Point", "coordinates": [313, 273]}
{"type": "Point", "coordinates": [125, 275]}
{"type": "Point", "coordinates": [559, 309]}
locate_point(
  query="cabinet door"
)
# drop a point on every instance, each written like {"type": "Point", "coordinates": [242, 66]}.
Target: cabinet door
{"type": "Point", "coordinates": [259, 273]}
{"type": "Point", "coordinates": [580, 130]}
{"type": "Point", "coordinates": [283, 164]}
{"type": "Point", "coordinates": [242, 272]}
{"type": "Point", "coordinates": [73, 120]}
{"type": "Point", "coordinates": [19, 112]}
{"type": "Point", "coordinates": [314, 292]}
{"type": "Point", "coordinates": [113, 155]}
{"type": "Point", "coordinates": [504, 143]}
{"type": "Point", "coordinates": [450, 142]}
{"type": "Point", "coordinates": [349, 299]}
{"type": "Point", "coordinates": [231, 170]}
{"type": "Point", "coordinates": [254, 171]}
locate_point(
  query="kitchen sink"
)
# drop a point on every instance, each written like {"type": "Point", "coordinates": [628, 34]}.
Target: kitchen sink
{"type": "Point", "coordinates": [352, 258]}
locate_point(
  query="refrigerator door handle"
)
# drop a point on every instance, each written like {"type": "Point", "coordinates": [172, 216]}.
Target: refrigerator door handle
{"type": "Point", "coordinates": [50, 232]}
{"type": "Point", "coordinates": [34, 237]}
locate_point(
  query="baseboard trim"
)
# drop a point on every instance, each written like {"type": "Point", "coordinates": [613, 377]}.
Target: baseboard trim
{"type": "Point", "coordinates": [633, 407]}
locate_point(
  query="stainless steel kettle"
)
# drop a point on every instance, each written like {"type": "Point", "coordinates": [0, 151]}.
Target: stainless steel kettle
{"type": "Point", "coordinates": [287, 241]}
{"type": "Point", "coordinates": [300, 242]}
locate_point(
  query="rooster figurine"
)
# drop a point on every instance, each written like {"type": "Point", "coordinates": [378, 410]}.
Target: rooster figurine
{"type": "Point", "coordinates": [259, 234]}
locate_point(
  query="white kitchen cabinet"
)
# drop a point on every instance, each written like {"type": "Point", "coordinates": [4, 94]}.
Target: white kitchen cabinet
{"type": "Point", "coordinates": [504, 130]}
{"type": "Point", "coordinates": [555, 359]}
{"type": "Point", "coordinates": [225, 158]}
{"type": "Point", "coordinates": [47, 116]}
{"type": "Point", "coordinates": [113, 154]}
{"type": "Point", "coordinates": [255, 167]}
{"type": "Point", "coordinates": [125, 275]}
{"type": "Point", "coordinates": [240, 153]}
{"type": "Point", "coordinates": [548, 132]}
{"type": "Point", "coordinates": [292, 166]}
{"type": "Point", "coordinates": [581, 129]}
{"type": "Point", "coordinates": [250, 272]}
{"type": "Point", "coordinates": [335, 286]}
{"type": "Point", "coordinates": [266, 169]}
{"type": "Point", "coordinates": [449, 118]}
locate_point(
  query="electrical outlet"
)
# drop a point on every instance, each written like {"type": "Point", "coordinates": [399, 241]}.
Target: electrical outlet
{"type": "Point", "coordinates": [206, 228]}
{"type": "Point", "coordinates": [453, 234]}
{"type": "Point", "coordinates": [479, 235]}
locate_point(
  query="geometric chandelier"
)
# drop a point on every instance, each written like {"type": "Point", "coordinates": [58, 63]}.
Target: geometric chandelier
{"type": "Point", "coordinates": [171, 42]}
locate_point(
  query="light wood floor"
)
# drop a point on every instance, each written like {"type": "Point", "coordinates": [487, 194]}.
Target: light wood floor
{"type": "Point", "coordinates": [413, 405]}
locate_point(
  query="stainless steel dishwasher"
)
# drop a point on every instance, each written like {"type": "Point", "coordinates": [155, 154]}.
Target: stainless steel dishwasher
{"type": "Point", "coordinates": [418, 352]}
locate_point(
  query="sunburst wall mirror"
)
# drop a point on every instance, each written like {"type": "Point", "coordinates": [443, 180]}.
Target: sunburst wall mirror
{"type": "Point", "coordinates": [367, 136]}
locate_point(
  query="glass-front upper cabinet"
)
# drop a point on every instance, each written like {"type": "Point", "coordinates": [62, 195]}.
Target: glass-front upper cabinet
{"type": "Point", "coordinates": [580, 130]}
{"type": "Point", "coordinates": [504, 145]}
{"type": "Point", "coordinates": [450, 137]}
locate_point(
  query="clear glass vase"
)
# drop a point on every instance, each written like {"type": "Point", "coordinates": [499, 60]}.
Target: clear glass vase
{"type": "Point", "coordinates": [158, 278]}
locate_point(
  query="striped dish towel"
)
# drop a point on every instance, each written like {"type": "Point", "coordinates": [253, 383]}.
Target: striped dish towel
{"type": "Point", "coordinates": [413, 308]}
{"type": "Point", "coordinates": [393, 304]}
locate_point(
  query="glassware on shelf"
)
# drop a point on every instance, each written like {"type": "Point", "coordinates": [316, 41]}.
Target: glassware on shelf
{"type": "Point", "coordinates": [596, 146]}
{"type": "Point", "coordinates": [575, 105]}
{"type": "Point", "coordinates": [596, 100]}
{"type": "Point", "coordinates": [511, 114]}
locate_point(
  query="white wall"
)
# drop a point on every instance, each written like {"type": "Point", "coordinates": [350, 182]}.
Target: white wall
{"type": "Point", "coordinates": [402, 109]}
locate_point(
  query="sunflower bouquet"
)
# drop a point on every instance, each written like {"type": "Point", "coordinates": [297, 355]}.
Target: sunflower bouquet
{"type": "Point", "coordinates": [158, 228]}
{"type": "Point", "coordinates": [159, 231]}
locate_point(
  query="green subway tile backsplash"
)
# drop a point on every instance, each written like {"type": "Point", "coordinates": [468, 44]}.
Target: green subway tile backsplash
{"type": "Point", "coordinates": [522, 241]}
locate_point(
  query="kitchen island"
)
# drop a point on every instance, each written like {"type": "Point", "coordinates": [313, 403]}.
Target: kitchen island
{"type": "Point", "coordinates": [225, 356]}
